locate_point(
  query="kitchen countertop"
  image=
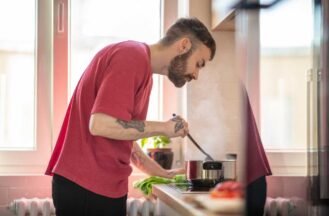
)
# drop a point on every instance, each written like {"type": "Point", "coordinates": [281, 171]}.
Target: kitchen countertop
{"type": "Point", "coordinates": [182, 203]}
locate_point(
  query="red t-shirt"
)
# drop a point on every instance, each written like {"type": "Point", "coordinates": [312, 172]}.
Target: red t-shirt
{"type": "Point", "coordinates": [117, 82]}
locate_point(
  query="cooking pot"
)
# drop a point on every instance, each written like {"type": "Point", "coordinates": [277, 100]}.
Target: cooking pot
{"type": "Point", "coordinates": [204, 173]}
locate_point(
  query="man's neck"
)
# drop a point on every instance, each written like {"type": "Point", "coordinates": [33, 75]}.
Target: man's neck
{"type": "Point", "coordinates": [160, 58]}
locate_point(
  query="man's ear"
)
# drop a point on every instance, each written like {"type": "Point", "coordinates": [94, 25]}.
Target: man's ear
{"type": "Point", "coordinates": [185, 45]}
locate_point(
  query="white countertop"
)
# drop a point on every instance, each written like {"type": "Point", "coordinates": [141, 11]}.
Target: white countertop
{"type": "Point", "coordinates": [182, 203]}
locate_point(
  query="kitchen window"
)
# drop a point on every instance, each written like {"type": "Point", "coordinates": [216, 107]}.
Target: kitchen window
{"type": "Point", "coordinates": [95, 24]}
{"type": "Point", "coordinates": [275, 61]}
{"type": "Point", "coordinates": [17, 74]}
{"type": "Point", "coordinates": [84, 27]}
{"type": "Point", "coordinates": [285, 58]}
{"type": "Point", "coordinates": [43, 52]}
{"type": "Point", "coordinates": [286, 40]}
{"type": "Point", "coordinates": [25, 86]}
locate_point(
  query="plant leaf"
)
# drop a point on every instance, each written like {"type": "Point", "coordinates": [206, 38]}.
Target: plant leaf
{"type": "Point", "coordinates": [144, 141]}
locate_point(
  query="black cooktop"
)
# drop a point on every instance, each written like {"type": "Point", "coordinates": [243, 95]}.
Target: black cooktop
{"type": "Point", "coordinates": [188, 188]}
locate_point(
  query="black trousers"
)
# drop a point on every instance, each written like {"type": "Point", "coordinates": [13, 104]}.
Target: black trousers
{"type": "Point", "coordinates": [71, 199]}
{"type": "Point", "coordinates": [256, 197]}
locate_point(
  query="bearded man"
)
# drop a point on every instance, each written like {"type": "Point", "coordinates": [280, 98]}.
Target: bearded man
{"type": "Point", "coordinates": [90, 164]}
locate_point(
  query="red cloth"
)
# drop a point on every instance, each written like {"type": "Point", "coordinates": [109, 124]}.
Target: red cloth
{"type": "Point", "coordinates": [257, 164]}
{"type": "Point", "coordinates": [118, 83]}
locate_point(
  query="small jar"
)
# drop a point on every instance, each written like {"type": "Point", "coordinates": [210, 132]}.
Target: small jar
{"type": "Point", "coordinates": [229, 167]}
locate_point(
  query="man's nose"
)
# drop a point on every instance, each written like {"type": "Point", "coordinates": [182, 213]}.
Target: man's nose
{"type": "Point", "coordinates": [195, 75]}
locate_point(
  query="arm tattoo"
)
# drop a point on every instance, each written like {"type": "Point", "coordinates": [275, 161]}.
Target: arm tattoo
{"type": "Point", "coordinates": [138, 158]}
{"type": "Point", "coordinates": [179, 123]}
{"type": "Point", "coordinates": [138, 125]}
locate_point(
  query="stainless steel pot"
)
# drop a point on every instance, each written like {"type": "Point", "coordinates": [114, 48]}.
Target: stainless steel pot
{"type": "Point", "coordinates": [204, 173]}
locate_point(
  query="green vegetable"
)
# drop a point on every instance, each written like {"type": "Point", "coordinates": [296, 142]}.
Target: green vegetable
{"type": "Point", "coordinates": [180, 178]}
{"type": "Point", "coordinates": [145, 185]}
{"type": "Point", "coordinates": [154, 142]}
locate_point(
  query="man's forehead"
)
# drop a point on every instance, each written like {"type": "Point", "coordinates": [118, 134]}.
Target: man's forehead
{"type": "Point", "coordinates": [203, 52]}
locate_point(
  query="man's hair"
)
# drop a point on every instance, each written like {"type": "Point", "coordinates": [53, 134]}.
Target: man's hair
{"type": "Point", "coordinates": [192, 28]}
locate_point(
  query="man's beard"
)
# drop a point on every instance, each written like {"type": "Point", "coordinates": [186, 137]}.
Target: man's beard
{"type": "Point", "coordinates": [177, 69]}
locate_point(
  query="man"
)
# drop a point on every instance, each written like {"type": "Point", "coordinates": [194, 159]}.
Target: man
{"type": "Point", "coordinates": [91, 161]}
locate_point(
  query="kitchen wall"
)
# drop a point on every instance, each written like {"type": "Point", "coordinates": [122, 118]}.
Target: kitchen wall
{"type": "Point", "coordinates": [14, 187]}
{"type": "Point", "coordinates": [213, 102]}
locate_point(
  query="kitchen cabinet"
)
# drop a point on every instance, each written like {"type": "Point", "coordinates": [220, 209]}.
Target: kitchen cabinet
{"type": "Point", "coordinates": [222, 15]}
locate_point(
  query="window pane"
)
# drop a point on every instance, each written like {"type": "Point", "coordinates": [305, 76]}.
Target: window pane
{"type": "Point", "coordinates": [286, 54]}
{"type": "Point", "coordinates": [97, 23]}
{"type": "Point", "coordinates": [17, 74]}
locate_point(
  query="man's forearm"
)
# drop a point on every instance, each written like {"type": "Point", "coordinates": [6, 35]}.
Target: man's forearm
{"type": "Point", "coordinates": [107, 126]}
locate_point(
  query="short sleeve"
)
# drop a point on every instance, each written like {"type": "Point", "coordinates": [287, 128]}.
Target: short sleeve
{"type": "Point", "coordinates": [119, 83]}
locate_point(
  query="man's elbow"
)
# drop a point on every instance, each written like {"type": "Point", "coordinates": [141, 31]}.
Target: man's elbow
{"type": "Point", "coordinates": [95, 127]}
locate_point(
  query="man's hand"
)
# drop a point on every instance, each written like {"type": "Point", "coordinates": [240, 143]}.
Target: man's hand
{"type": "Point", "coordinates": [171, 173]}
{"type": "Point", "coordinates": [149, 166]}
{"type": "Point", "coordinates": [177, 127]}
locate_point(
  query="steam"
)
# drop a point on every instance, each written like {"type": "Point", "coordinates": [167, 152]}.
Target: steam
{"type": "Point", "coordinates": [207, 126]}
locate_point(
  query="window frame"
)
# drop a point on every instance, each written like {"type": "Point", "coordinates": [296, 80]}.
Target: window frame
{"type": "Point", "coordinates": [33, 161]}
